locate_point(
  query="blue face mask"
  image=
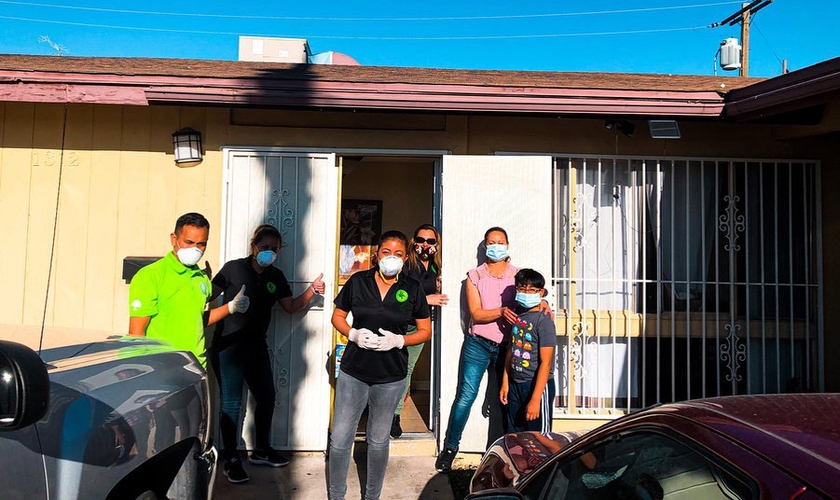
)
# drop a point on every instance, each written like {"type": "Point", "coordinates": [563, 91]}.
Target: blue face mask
{"type": "Point", "coordinates": [528, 300]}
{"type": "Point", "coordinates": [266, 258]}
{"type": "Point", "coordinates": [497, 252]}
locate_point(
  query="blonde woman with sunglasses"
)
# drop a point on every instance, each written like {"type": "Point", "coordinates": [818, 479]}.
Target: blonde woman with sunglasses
{"type": "Point", "coordinates": [423, 264]}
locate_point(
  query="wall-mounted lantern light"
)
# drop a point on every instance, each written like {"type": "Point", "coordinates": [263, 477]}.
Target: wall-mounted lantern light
{"type": "Point", "coordinates": [625, 127]}
{"type": "Point", "coordinates": [187, 144]}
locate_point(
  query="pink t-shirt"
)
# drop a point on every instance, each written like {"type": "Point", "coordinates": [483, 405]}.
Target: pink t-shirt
{"type": "Point", "coordinates": [494, 293]}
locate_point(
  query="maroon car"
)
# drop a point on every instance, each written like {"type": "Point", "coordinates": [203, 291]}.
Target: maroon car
{"type": "Point", "coordinates": [769, 446]}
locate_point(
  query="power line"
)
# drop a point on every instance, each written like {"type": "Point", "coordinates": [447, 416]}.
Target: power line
{"type": "Point", "coordinates": [369, 19]}
{"type": "Point", "coordinates": [352, 37]}
{"type": "Point", "coordinates": [768, 42]}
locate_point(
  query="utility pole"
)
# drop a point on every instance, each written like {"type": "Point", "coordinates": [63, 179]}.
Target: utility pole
{"type": "Point", "coordinates": [745, 41]}
{"type": "Point", "coordinates": [744, 16]}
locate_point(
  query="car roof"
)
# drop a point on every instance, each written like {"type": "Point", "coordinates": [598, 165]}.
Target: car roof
{"type": "Point", "coordinates": [798, 432]}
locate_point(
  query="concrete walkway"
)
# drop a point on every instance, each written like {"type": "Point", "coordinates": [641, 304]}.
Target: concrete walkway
{"type": "Point", "coordinates": [407, 478]}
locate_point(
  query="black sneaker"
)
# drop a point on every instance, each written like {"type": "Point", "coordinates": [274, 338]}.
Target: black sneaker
{"type": "Point", "coordinates": [396, 430]}
{"type": "Point", "coordinates": [444, 460]}
{"type": "Point", "coordinates": [270, 458]}
{"type": "Point", "coordinates": [234, 471]}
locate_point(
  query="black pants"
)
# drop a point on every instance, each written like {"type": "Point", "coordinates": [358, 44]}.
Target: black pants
{"type": "Point", "coordinates": [249, 363]}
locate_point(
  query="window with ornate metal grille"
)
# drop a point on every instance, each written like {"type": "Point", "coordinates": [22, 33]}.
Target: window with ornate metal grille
{"type": "Point", "coordinates": [680, 278]}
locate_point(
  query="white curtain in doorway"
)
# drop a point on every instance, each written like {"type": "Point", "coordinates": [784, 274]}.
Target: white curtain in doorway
{"type": "Point", "coordinates": [605, 229]}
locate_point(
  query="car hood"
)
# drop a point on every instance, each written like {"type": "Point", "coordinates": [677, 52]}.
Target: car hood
{"type": "Point", "coordinates": [119, 348]}
{"type": "Point", "coordinates": [513, 456]}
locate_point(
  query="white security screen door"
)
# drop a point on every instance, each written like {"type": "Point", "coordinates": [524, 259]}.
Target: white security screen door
{"type": "Point", "coordinates": [684, 278]}
{"type": "Point", "coordinates": [479, 192]}
{"type": "Point", "coordinates": [298, 194]}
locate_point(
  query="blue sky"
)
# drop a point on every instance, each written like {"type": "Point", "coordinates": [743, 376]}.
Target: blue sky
{"type": "Point", "coordinates": [646, 36]}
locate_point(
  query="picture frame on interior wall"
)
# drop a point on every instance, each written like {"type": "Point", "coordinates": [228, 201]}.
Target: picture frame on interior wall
{"type": "Point", "coordinates": [361, 226]}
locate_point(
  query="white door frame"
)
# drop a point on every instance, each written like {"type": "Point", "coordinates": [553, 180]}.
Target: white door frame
{"type": "Point", "coordinates": [517, 186]}
{"type": "Point", "coordinates": [332, 288]}
{"type": "Point", "coordinates": [297, 343]}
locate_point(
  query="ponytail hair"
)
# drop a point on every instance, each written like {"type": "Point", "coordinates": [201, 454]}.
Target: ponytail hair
{"type": "Point", "coordinates": [263, 231]}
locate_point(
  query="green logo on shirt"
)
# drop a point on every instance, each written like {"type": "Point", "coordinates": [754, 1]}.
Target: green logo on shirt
{"type": "Point", "coordinates": [402, 295]}
{"type": "Point", "coordinates": [271, 287]}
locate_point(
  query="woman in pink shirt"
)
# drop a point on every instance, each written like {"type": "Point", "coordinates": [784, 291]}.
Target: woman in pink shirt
{"type": "Point", "coordinates": [491, 299]}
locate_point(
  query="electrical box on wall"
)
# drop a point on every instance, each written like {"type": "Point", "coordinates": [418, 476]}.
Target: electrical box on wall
{"type": "Point", "coordinates": [133, 264]}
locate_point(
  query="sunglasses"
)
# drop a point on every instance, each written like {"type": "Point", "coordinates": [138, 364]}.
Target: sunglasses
{"type": "Point", "coordinates": [430, 241]}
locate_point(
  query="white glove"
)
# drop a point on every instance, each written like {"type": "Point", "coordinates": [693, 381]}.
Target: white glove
{"type": "Point", "coordinates": [390, 340]}
{"type": "Point", "coordinates": [364, 338]}
{"type": "Point", "coordinates": [240, 303]}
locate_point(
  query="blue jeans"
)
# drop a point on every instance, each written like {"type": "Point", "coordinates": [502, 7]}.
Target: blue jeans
{"type": "Point", "coordinates": [351, 397]}
{"type": "Point", "coordinates": [249, 363]}
{"type": "Point", "coordinates": [477, 356]}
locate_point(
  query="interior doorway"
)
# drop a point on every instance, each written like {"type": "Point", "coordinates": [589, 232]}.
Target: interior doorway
{"type": "Point", "coordinates": [380, 193]}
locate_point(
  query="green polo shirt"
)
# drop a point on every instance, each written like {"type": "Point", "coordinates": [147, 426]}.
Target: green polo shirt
{"type": "Point", "coordinates": [174, 296]}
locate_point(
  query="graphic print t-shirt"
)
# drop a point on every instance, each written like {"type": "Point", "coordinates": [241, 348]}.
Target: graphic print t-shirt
{"type": "Point", "coordinates": [531, 331]}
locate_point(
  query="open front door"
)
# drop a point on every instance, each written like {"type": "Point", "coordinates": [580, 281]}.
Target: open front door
{"type": "Point", "coordinates": [479, 192]}
{"type": "Point", "coordinates": [298, 194]}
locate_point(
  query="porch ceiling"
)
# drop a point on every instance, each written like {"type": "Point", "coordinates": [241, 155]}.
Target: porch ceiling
{"type": "Point", "coordinates": [233, 83]}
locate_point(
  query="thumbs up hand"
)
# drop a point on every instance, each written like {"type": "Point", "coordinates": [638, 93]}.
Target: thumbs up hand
{"type": "Point", "coordinates": [318, 285]}
{"type": "Point", "coordinates": [240, 303]}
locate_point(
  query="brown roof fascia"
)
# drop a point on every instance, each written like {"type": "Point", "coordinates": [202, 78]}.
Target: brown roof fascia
{"type": "Point", "coordinates": [251, 92]}
{"type": "Point", "coordinates": [448, 98]}
{"type": "Point", "coordinates": [201, 69]}
{"type": "Point", "coordinates": [790, 92]}
{"type": "Point", "coordinates": [233, 83]}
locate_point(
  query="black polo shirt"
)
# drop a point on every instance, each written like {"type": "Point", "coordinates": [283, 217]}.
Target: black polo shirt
{"type": "Point", "coordinates": [404, 303]}
{"type": "Point", "coordinates": [426, 277]}
{"type": "Point", "coordinates": [264, 289]}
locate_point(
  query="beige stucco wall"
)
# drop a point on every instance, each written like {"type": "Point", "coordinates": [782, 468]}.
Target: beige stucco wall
{"type": "Point", "coordinates": [120, 196]}
{"type": "Point", "coordinates": [121, 191]}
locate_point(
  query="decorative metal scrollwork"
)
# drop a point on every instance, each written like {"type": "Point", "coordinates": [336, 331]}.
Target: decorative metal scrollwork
{"type": "Point", "coordinates": [277, 206]}
{"type": "Point", "coordinates": [576, 353]}
{"type": "Point", "coordinates": [280, 373]}
{"type": "Point", "coordinates": [273, 208]}
{"type": "Point", "coordinates": [733, 352]}
{"type": "Point", "coordinates": [288, 213]}
{"type": "Point", "coordinates": [730, 223]}
{"type": "Point", "coordinates": [583, 220]}
{"type": "Point", "coordinates": [559, 369]}
{"type": "Point", "coordinates": [564, 222]}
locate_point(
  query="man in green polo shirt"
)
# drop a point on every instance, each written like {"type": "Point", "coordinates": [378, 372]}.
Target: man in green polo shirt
{"type": "Point", "coordinates": [167, 299]}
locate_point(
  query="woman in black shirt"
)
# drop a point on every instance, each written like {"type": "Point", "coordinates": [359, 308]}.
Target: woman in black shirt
{"type": "Point", "coordinates": [423, 265]}
{"type": "Point", "coordinates": [240, 352]}
{"type": "Point", "coordinates": [383, 302]}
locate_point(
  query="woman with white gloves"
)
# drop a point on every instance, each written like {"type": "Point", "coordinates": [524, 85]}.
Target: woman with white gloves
{"type": "Point", "coordinates": [374, 366]}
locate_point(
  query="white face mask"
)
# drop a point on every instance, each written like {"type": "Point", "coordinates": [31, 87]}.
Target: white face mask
{"type": "Point", "coordinates": [266, 258]}
{"type": "Point", "coordinates": [391, 265]}
{"type": "Point", "coordinates": [189, 256]}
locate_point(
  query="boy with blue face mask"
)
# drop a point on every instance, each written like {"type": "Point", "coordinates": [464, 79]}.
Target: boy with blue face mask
{"type": "Point", "coordinates": [528, 381]}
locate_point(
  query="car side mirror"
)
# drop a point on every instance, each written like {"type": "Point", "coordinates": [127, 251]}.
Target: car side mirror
{"type": "Point", "coordinates": [24, 386]}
